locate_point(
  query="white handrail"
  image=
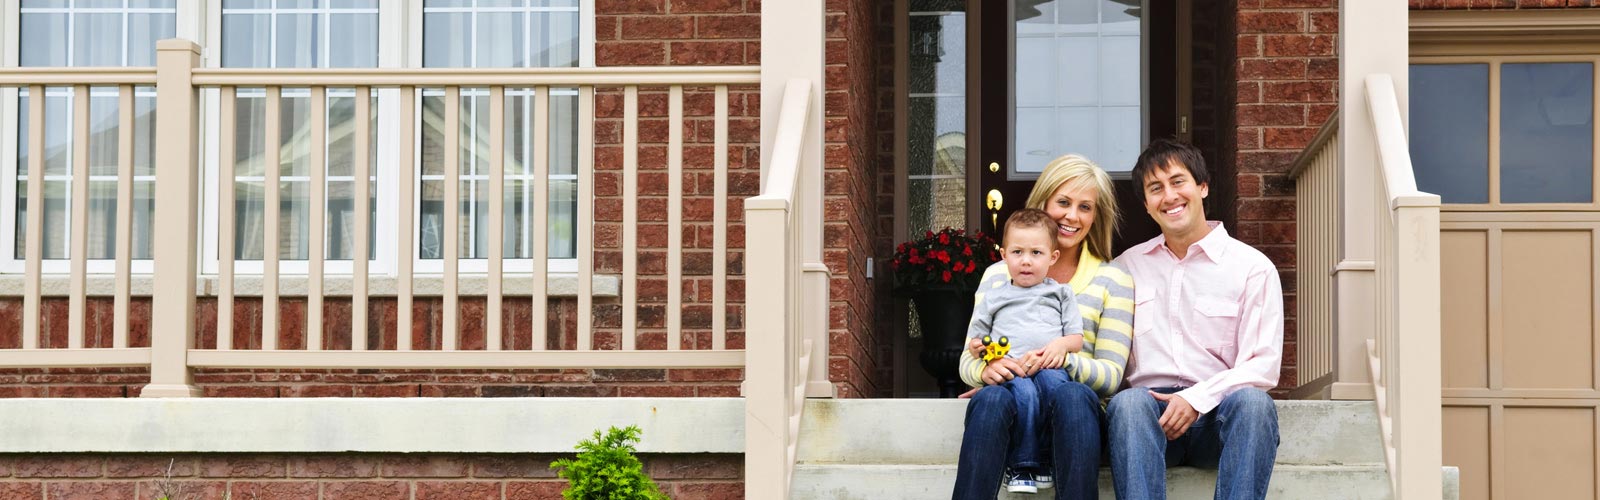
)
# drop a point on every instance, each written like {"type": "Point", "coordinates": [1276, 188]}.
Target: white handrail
{"type": "Point", "coordinates": [1394, 155]}
{"type": "Point", "coordinates": [783, 177]}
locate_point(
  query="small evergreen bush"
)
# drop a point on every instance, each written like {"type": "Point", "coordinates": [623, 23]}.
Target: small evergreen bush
{"type": "Point", "coordinates": [605, 468]}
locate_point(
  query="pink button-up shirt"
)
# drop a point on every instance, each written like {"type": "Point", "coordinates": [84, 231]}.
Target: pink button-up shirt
{"type": "Point", "coordinates": [1212, 321]}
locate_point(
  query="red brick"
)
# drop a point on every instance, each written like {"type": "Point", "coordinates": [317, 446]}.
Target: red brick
{"type": "Point", "coordinates": [387, 391]}
{"type": "Point", "coordinates": [240, 391]}
{"type": "Point", "coordinates": [630, 53]}
{"type": "Point", "coordinates": [180, 489]}
{"type": "Point", "coordinates": [1272, 22]}
{"type": "Point", "coordinates": [687, 6]}
{"type": "Point", "coordinates": [512, 466]}
{"type": "Point", "coordinates": [709, 491]}
{"type": "Point", "coordinates": [737, 26]}
{"type": "Point", "coordinates": [276, 490]}
{"type": "Point", "coordinates": [88, 391]}
{"type": "Point", "coordinates": [1266, 161]}
{"type": "Point", "coordinates": [1299, 4]}
{"type": "Point", "coordinates": [1323, 68]}
{"type": "Point", "coordinates": [705, 375]}
{"type": "Point", "coordinates": [1289, 138]}
{"type": "Point", "coordinates": [94, 490]}
{"type": "Point", "coordinates": [365, 490]}
{"type": "Point", "coordinates": [335, 465]}
{"type": "Point", "coordinates": [21, 491]}
{"type": "Point", "coordinates": [534, 490]}
{"type": "Point", "coordinates": [318, 391]}
{"type": "Point", "coordinates": [657, 27]}
{"type": "Point", "coordinates": [1298, 45]}
{"type": "Point", "coordinates": [1324, 22]}
{"type": "Point", "coordinates": [457, 490]}
{"type": "Point", "coordinates": [57, 466]}
{"type": "Point", "coordinates": [1298, 91]}
{"type": "Point", "coordinates": [1271, 69]}
{"type": "Point", "coordinates": [243, 466]}
{"type": "Point", "coordinates": [425, 466]}
{"type": "Point", "coordinates": [656, 391]}
{"type": "Point", "coordinates": [707, 53]}
{"type": "Point", "coordinates": [603, 7]}
{"type": "Point", "coordinates": [1266, 209]}
{"type": "Point", "coordinates": [1271, 114]}
{"type": "Point", "coordinates": [695, 466]}
{"type": "Point", "coordinates": [149, 466]}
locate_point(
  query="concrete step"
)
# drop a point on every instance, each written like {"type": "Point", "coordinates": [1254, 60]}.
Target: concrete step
{"type": "Point", "coordinates": [889, 482]}
{"type": "Point", "coordinates": [928, 432]}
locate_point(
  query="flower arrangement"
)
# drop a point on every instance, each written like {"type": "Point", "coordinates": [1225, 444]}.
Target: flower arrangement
{"type": "Point", "coordinates": [946, 259]}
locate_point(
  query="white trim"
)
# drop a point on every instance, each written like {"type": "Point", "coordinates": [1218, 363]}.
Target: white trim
{"type": "Point", "coordinates": [408, 425]}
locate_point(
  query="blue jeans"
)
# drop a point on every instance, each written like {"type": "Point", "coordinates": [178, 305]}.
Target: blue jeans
{"type": "Point", "coordinates": [1239, 438]}
{"type": "Point", "coordinates": [1070, 413]}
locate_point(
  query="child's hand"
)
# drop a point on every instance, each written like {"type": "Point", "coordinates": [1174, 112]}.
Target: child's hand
{"type": "Point", "coordinates": [975, 346]}
{"type": "Point", "coordinates": [1054, 354]}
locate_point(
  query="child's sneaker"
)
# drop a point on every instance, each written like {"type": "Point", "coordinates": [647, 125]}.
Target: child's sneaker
{"type": "Point", "coordinates": [1044, 480]}
{"type": "Point", "coordinates": [1021, 482]}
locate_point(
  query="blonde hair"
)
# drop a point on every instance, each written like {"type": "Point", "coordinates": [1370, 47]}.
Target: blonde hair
{"type": "Point", "coordinates": [1079, 172]}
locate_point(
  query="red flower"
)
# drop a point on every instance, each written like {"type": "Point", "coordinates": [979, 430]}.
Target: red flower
{"type": "Point", "coordinates": [946, 276]}
{"type": "Point", "coordinates": [967, 251]}
{"type": "Point", "coordinates": [944, 239]}
{"type": "Point", "coordinates": [944, 256]}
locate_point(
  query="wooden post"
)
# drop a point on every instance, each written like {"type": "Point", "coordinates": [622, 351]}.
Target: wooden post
{"type": "Point", "coordinates": [177, 201]}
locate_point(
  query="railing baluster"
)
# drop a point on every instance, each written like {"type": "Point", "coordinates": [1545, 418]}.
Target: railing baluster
{"type": "Point", "coordinates": [497, 211]}
{"type": "Point", "coordinates": [405, 215]}
{"type": "Point", "coordinates": [630, 213]}
{"type": "Point", "coordinates": [585, 231]}
{"type": "Point", "coordinates": [541, 221]}
{"type": "Point", "coordinates": [360, 172]}
{"type": "Point", "coordinates": [719, 224]}
{"type": "Point", "coordinates": [270, 221]}
{"type": "Point", "coordinates": [317, 208]}
{"type": "Point", "coordinates": [124, 241]}
{"type": "Point", "coordinates": [225, 217]}
{"type": "Point", "coordinates": [80, 216]}
{"type": "Point", "coordinates": [675, 217]}
{"type": "Point", "coordinates": [450, 236]}
{"type": "Point", "coordinates": [33, 239]}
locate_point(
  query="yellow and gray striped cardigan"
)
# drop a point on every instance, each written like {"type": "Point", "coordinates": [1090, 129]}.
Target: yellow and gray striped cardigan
{"type": "Point", "coordinates": [1104, 291]}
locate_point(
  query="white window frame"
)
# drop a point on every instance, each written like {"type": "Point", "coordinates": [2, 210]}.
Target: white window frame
{"type": "Point", "coordinates": [10, 112]}
{"type": "Point", "coordinates": [586, 59]}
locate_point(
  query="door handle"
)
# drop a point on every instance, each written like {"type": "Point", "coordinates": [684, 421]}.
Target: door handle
{"type": "Point", "coordinates": [994, 201]}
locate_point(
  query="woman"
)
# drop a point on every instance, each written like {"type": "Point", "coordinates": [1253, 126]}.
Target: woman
{"type": "Point", "coordinates": [1077, 194]}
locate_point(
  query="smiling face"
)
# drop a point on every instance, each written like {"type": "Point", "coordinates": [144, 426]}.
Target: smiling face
{"type": "Point", "coordinates": [1072, 208]}
{"type": "Point", "coordinates": [1029, 253]}
{"type": "Point", "coordinates": [1175, 201]}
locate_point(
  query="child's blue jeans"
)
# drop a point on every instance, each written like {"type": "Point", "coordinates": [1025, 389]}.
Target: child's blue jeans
{"type": "Point", "coordinates": [1030, 436]}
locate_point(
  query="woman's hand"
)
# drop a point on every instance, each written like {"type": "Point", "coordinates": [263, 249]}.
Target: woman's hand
{"type": "Point", "coordinates": [1000, 370]}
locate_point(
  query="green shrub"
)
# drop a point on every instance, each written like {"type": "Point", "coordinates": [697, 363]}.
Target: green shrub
{"type": "Point", "coordinates": [605, 468]}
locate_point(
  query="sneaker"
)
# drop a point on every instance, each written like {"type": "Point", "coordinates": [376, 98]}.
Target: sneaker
{"type": "Point", "coordinates": [1021, 482]}
{"type": "Point", "coordinates": [1043, 480]}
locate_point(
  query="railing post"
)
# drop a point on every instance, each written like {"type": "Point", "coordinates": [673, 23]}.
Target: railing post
{"type": "Point", "coordinates": [1372, 39]}
{"type": "Point", "coordinates": [792, 48]}
{"type": "Point", "coordinates": [177, 177]}
{"type": "Point", "coordinates": [766, 393]}
{"type": "Point", "coordinates": [1417, 378]}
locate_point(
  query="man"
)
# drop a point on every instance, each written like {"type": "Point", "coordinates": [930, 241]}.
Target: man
{"type": "Point", "coordinates": [1208, 342]}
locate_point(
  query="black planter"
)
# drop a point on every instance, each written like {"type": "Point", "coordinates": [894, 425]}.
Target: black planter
{"type": "Point", "coordinates": [944, 314]}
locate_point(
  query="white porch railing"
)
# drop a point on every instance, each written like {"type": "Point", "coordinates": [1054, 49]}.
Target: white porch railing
{"type": "Point", "coordinates": [1317, 222]}
{"type": "Point", "coordinates": [1404, 351]}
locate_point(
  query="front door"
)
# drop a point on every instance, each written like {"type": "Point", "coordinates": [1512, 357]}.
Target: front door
{"type": "Point", "coordinates": [1097, 78]}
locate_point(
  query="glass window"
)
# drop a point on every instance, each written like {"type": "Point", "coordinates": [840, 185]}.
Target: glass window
{"type": "Point", "coordinates": [936, 124]}
{"type": "Point", "coordinates": [1450, 130]}
{"type": "Point", "coordinates": [89, 33]}
{"type": "Point", "coordinates": [300, 34]}
{"type": "Point", "coordinates": [1547, 133]}
{"type": "Point", "coordinates": [1089, 100]}
{"type": "Point", "coordinates": [500, 33]}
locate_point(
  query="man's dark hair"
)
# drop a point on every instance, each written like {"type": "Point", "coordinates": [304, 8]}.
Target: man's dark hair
{"type": "Point", "coordinates": [1164, 152]}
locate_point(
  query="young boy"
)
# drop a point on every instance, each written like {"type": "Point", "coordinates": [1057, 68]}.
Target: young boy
{"type": "Point", "coordinates": [1030, 311]}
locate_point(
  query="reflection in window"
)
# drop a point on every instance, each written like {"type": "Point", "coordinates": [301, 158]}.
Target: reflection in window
{"type": "Point", "coordinates": [1450, 130]}
{"type": "Point", "coordinates": [936, 118]}
{"type": "Point", "coordinates": [1086, 96]}
{"type": "Point", "coordinates": [82, 33]}
{"type": "Point", "coordinates": [500, 33]}
{"type": "Point", "coordinates": [1547, 133]}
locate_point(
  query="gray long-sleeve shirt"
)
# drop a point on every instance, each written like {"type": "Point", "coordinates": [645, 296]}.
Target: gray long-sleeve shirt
{"type": "Point", "coordinates": [1030, 317]}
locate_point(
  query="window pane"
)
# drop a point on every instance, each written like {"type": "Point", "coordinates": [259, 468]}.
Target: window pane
{"type": "Point", "coordinates": [937, 134]}
{"type": "Point", "coordinates": [563, 132]}
{"type": "Point", "coordinates": [58, 131]}
{"type": "Point", "coordinates": [1547, 133]}
{"type": "Point", "coordinates": [143, 32]}
{"type": "Point", "coordinates": [560, 39]}
{"type": "Point", "coordinates": [298, 41]}
{"type": "Point", "coordinates": [938, 54]}
{"type": "Point", "coordinates": [44, 39]}
{"type": "Point", "coordinates": [562, 219]}
{"type": "Point", "coordinates": [244, 40]}
{"type": "Point", "coordinates": [1450, 130]}
{"type": "Point", "coordinates": [501, 40]}
{"type": "Point", "coordinates": [354, 41]}
{"type": "Point", "coordinates": [103, 140]}
{"type": "Point", "coordinates": [102, 219]}
{"type": "Point", "coordinates": [144, 125]}
{"type": "Point", "coordinates": [246, 4]}
{"type": "Point", "coordinates": [446, 41]}
{"type": "Point", "coordinates": [144, 209]}
{"type": "Point", "coordinates": [97, 40]}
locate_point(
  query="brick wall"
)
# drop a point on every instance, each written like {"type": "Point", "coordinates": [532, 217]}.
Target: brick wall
{"type": "Point", "coordinates": [628, 32]}
{"type": "Point", "coordinates": [1287, 76]}
{"type": "Point", "coordinates": [344, 476]}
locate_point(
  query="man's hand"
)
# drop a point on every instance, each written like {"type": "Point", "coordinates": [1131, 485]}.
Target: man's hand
{"type": "Point", "coordinates": [1000, 370]}
{"type": "Point", "coordinates": [1178, 417]}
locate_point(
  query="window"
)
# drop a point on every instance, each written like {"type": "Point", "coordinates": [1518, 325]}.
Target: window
{"type": "Point", "coordinates": [936, 107]}
{"type": "Point", "coordinates": [1090, 100]}
{"type": "Point", "coordinates": [1544, 134]}
{"type": "Point", "coordinates": [85, 33]}
{"type": "Point", "coordinates": [501, 33]}
{"type": "Point", "coordinates": [300, 34]}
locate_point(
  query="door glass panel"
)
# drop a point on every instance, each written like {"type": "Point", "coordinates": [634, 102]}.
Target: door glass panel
{"type": "Point", "coordinates": [1450, 130]}
{"type": "Point", "coordinates": [936, 114]}
{"type": "Point", "coordinates": [1547, 133]}
{"type": "Point", "coordinates": [1079, 83]}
